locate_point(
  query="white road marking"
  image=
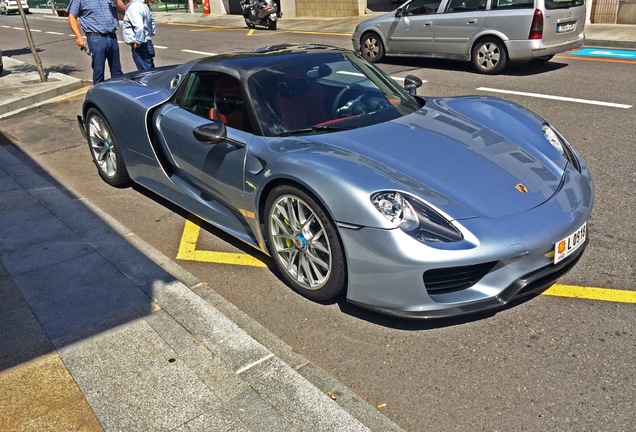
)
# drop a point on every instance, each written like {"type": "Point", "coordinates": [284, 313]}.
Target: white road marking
{"type": "Point", "coordinates": [54, 33]}
{"type": "Point", "coordinates": [199, 52]}
{"type": "Point", "coordinates": [560, 98]}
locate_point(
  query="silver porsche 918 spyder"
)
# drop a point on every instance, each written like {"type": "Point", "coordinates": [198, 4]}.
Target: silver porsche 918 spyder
{"type": "Point", "coordinates": [413, 206]}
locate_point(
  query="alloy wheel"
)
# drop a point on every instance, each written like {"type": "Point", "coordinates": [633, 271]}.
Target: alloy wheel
{"type": "Point", "coordinates": [300, 242]}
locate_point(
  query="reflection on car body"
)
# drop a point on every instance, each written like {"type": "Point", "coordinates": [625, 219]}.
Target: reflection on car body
{"type": "Point", "coordinates": [488, 33]}
{"type": "Point", "coordinates": [412, 206]}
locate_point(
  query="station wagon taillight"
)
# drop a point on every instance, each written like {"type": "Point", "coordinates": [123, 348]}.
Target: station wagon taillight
{"type": "Point", "coordinates": [536, 28]}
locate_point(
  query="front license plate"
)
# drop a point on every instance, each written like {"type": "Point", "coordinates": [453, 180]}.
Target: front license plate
{"type": "Point", "coordinates": [566, 247]}
{"type": "Point", "coordinates": [566, 27]}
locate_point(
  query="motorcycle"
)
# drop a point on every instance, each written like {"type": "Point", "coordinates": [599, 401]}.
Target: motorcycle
{"type": "Point", "coordinates": [260, 12]}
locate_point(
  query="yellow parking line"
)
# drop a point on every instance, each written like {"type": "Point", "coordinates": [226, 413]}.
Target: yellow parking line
{"type": "Point", "coordinates": [591, 293]}
{"type": "Point", "coordinates": [71, 95]}
{"type": "Point", "coordinates": [188, 250]}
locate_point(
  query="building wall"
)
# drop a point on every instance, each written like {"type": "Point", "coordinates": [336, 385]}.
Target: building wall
{"type": "Point", "coordinates": [626, 12]}
{"type": "Point", "coordinates": [329, 9]}
{"type": "Point", "coordinates": [605, 11]}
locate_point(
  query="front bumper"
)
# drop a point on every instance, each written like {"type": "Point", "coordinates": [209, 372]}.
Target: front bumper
{"type": "Point", "coordinates": [527, 285]}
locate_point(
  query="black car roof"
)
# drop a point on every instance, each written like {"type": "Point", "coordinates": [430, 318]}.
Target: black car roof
{"type": "Point", "coordinates": [241, 62]}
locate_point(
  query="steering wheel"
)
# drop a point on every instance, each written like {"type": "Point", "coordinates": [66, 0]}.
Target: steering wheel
{"type": "Point", "coordinates": [337, 109]}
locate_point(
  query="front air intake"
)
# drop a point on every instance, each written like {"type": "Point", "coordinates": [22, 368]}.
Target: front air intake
{"type": "Point", "coordinates": [445, 280]}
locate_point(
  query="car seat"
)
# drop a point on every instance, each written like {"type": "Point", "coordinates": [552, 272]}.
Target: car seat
{"type": "Point", "coordinates": [300, 101]}
{"type": "Point", "coordinates": [228, 106]}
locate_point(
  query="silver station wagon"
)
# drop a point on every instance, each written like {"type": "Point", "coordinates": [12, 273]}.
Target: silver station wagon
{"type": "Point", "coordinates": [488, 33]}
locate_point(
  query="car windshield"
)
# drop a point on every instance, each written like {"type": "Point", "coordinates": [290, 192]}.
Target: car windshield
{"type": "Point", "coordinates": [321, 93]}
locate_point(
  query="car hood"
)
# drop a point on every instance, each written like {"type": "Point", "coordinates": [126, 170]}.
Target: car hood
{"type": "Point", "coordinates": [469, 157]}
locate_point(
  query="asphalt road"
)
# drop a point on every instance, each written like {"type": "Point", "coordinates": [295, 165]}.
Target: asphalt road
{"type": "Point", "coordinates": [550, 363]}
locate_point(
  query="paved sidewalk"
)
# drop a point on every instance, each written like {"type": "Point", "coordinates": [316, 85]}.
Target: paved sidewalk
{"type": "Point", "coordinates": [99, 331]}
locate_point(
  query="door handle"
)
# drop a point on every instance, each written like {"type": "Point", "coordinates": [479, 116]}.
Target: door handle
{"type": "Point", "coordinates": [472, 21]}
{"type": "Point", "coordinates": [428, 23]}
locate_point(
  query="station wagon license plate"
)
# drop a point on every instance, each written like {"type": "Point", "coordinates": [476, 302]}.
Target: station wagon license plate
{"type": "Point", "coordinates": [566, 247]}
{"type": "Point", "coordinates": [566, 27]}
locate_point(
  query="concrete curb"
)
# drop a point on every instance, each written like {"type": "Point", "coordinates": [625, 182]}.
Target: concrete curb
{"type": "Point", "coordinates": [21, 86]}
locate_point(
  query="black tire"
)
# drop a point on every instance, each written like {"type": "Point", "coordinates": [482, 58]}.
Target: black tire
{"type": "Point", "coordinates": [303, 241]}
{"type": "Point", "coordinates": [249, 24]}
{"type": "Point", "coordinates": [371, 47]}
{"type": "Point", "coordinates": [105, 150]}
{"type": "Point", "coordinates": [489, 56]}
{"type": "Point", "coordinates": [271, 24]}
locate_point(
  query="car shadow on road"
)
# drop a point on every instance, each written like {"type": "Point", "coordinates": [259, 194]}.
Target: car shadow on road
{"type": "Point", "coordinates": [414, 324]}
{"type": "Point", "coordinates": [513, 68]}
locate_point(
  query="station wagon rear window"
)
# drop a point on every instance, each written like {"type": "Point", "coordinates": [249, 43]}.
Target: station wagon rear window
{"type": "Point", "coordinates": [562, 4]}
{"type": "Point", "coordinates": [512, 4]}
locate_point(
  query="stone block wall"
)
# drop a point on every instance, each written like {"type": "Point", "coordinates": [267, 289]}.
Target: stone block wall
{"type": "Point", "coordinates": [605, 11]}
{"type": "Point", "coordinates": [331, 9]}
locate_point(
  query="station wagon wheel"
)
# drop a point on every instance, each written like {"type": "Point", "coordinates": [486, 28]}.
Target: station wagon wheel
{"type": "Point", "coordinates": [371, 47]}
{"type": "Point", "coordinates": [105, 150]}
{"type": "Point", "coordinates": [489, 56]}
{"type": "Point", "coordinates": [304, 243]}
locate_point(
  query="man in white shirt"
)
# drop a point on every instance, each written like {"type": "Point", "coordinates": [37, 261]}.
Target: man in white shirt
{"type": "Point", "coordinates": [138, 29]}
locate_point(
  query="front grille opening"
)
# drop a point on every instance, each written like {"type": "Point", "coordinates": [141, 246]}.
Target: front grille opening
{"type": "Point", "coordinates": [446, 280]}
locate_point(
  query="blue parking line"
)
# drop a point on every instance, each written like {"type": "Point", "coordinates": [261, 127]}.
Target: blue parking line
{"type": "Point", "coordinates": [602, 52]}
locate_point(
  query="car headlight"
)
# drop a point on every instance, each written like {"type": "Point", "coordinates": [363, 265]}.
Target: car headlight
{"type": "Point", "coordinates": [559, 143]}
{"type": "Point", "coordinates": [415, 218]}
{"type": "Point", "coordinates": [552, 137]}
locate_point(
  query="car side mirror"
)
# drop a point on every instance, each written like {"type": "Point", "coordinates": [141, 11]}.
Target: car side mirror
{"type": "Point", "coordinates": [399, 12]}
{"type": "Point", "coordinates": [210, 133]}
{"type": "Point", "coordinates": [411, 84]}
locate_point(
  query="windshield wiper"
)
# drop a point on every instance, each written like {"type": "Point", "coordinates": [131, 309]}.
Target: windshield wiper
{"type": "Point", "coordinates": [315, 129]}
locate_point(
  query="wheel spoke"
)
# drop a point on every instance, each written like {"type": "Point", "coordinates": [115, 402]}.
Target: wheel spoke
{"type": "Point", "coordinates": [291, 216]}
{"type": "Point", "coordinates": [315, 259]}
{"type": "Point", "coordinates": [316, 243]}
{"type": "Point", "coordinates": [301, 216]}
{"type": "Point", "coordinates": [282, 226]}
{"type": "Point", "coordinates": [111, 163]}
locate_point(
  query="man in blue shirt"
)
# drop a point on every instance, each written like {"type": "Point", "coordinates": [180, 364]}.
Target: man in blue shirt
{"type": "Point", "coordinates": [98, 19]}
{"type": "Point", "coordinates": [138, 29]}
